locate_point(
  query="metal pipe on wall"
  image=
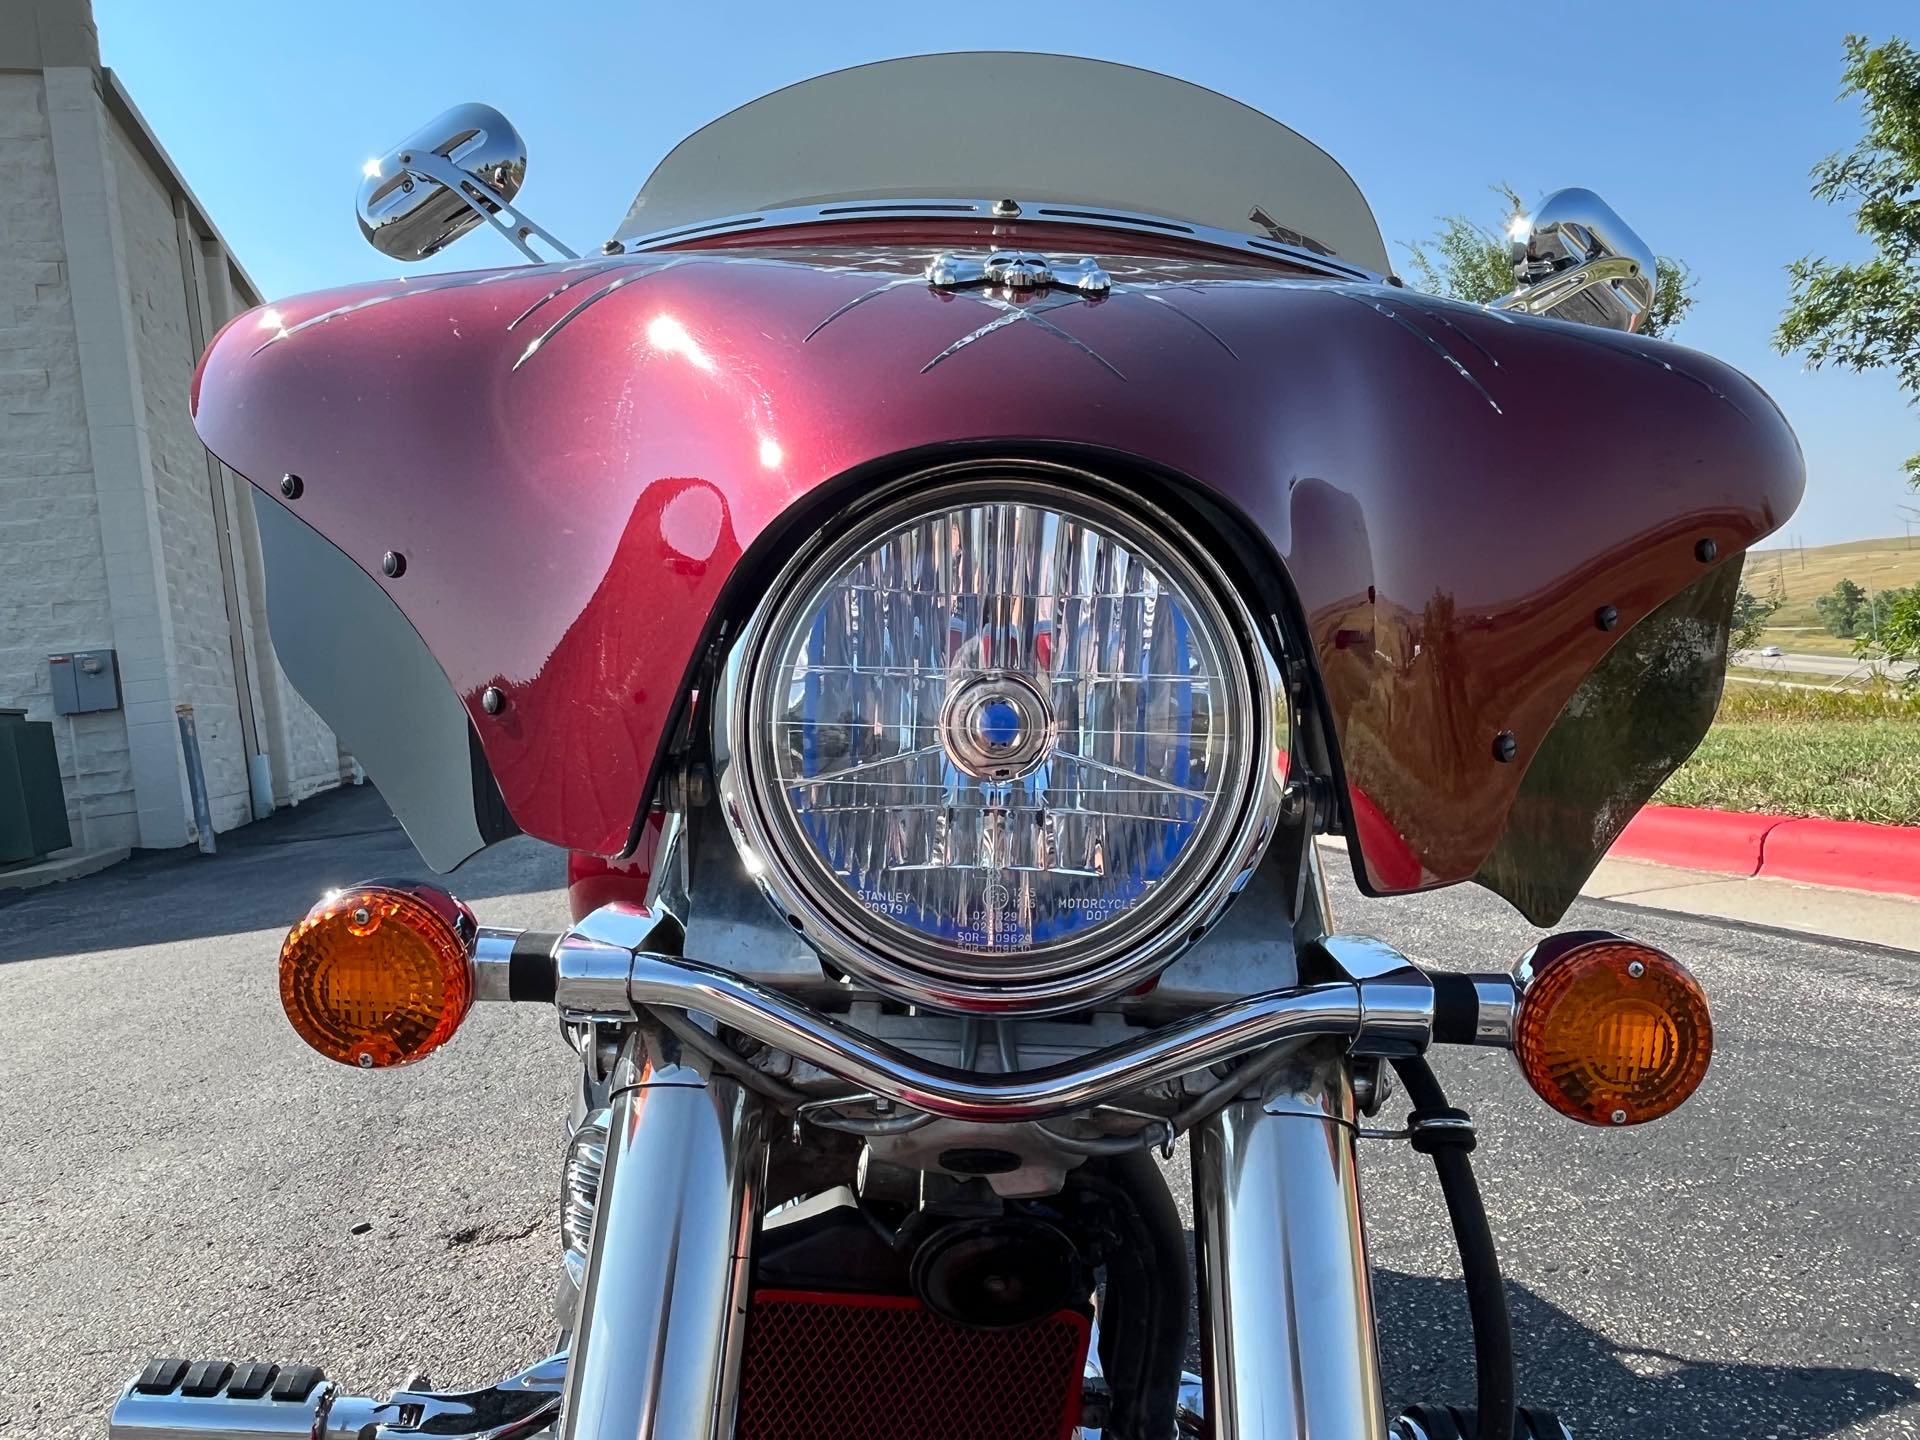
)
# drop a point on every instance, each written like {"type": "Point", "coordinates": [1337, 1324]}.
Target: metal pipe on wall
{"type": "Point", "coordinates": [663, 1303]}
{"type": "Point", "coordinates": [1287, 1323]}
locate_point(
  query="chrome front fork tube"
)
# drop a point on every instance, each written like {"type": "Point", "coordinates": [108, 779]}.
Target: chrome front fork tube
{"type": "Point", "coordinates": [1287, 1323]}
{"type": "Point", "coordinates": [663, 1301]}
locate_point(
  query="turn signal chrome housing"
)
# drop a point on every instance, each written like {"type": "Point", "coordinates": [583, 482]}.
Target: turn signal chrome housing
{"type": "Point", "coordinates": [1610, 1031]}
{"type": "Point", "coordinates": [379, 974]}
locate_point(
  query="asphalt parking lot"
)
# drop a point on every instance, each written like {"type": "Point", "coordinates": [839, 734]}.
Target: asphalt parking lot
{"type": "Point", "coordinates": [180, 1175]}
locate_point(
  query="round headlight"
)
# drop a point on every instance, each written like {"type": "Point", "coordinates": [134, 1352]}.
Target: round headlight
{"type": "Point", "coordinates": [1002, 746]}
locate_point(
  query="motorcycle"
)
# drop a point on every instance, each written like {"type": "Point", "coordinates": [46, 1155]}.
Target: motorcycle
{"type": "Point", "coordinates": [946, 571]}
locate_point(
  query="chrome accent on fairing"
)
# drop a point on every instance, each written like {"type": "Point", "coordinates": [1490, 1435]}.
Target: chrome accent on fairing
{"type": "Point", "coordinates": [1125, 221]}
{"type": "Point", "coordinates": [1024, 270]}
{"type": "Point", "coordinates": [1109, 964]}
{"type": "Point", "coordinates": [1287, 1309]}
{"type": "Point", "coordinates": [1575, 259]}
{"type": "Point", "coordinates": [656, 1347]}
{"type": "Point", "coordinates": [462, 167]}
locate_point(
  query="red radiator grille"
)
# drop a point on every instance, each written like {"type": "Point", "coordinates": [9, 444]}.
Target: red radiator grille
{"type": "Point", "coordinates": [822, 1366]}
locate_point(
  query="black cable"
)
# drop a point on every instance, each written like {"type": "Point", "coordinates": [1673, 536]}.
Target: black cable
{"type": "Point", "coordinates": [1447, 1135]}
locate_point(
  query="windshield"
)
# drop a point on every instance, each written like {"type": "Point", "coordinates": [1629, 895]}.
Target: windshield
{"type": "Point", "coordinates": [984, 125]}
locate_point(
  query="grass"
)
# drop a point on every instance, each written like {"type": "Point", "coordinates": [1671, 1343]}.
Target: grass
{"type": "Point", "coordinates": [1846, 754]}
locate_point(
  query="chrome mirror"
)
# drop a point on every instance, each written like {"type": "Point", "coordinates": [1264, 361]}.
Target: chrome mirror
{"type": "Point", "coordinates": [1574, 259]}
{"type": "Point", "coordinates": [461, 168]}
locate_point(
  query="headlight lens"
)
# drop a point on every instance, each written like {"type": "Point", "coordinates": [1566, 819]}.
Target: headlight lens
{"type": "Point", "coordinates": [1000, 734]}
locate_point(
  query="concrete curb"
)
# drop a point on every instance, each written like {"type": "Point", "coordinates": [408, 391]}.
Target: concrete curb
{"type": "Point", "coordinates": [1851, 854]}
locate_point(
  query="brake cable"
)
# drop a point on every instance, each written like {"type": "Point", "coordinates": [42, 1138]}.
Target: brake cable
{"type": "Point", "coordinates": [1439, 1130]}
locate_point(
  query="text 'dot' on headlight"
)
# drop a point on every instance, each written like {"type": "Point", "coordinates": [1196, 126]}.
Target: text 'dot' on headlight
{"type": "Point", "coordinates": [1002, 745]}
{"type": "Point", "coordinates": [378, 975]}
{"type": "Point", "coordinates": [1610, 1031]}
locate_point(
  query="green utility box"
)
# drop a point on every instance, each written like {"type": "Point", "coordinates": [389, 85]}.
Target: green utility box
{"type": "Point", "coordinates": [33, 806]}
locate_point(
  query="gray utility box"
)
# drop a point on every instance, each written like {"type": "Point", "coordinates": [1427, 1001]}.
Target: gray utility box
{"type": "Point", "coordinates": [33, 806]}
{"type": "Point", "coordinates": [84, 681]}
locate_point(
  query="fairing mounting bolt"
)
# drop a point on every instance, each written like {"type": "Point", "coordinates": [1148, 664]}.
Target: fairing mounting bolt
{"type": "Point", "coordinates": [1706, 552]}
{"type": "Point", "coordinates": [393, 564]}
{"type": "Point", "coordinates": [1505, 747]}
{"type": "Point", "coordinates": [291, 485]}
{"type": "Point", "coordinates": [1606, 617]}
{"type": "Point", "coordinates": [493, 699]}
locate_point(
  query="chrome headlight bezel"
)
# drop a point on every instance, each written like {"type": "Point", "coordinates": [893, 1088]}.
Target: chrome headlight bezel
{"type": "Point", "coordinates": [1071, 974]}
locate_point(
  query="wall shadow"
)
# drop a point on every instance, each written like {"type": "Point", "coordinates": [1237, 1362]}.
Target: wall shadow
{"type": "Point", "coordinates": [265, 875]}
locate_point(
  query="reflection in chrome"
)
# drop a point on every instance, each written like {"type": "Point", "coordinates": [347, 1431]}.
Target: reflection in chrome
{"type": "Point", "coordinates": [461, 168]}
{"type": "Point", "coordinates": [1576, 260]}
{"type": "Point", "coordinates": [657, 1338]}
{"type": "Point", "coordinates": [1281, 1017]}
{"type": "Point", "coordinates": [1288, 1328]}
{"type": "Point", "coordinates": [1017, 270]}
{"type": "Point", "coordinates": [1126, 221]}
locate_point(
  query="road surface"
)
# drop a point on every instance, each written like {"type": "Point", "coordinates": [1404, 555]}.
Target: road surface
{"type": "Point", "coordinates": [179, 1175]}
{"type": "Point", "coordinates": [1798, 663]}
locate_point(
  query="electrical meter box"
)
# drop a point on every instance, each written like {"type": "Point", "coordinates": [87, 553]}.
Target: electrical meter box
{"type": "Point", "coordinates": [84, 681]}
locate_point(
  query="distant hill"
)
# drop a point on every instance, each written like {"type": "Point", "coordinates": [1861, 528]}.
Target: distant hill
{"type": "Point", "coordinates": [1800, 575]}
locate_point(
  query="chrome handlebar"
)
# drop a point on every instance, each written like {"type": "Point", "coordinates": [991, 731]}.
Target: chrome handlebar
{"type": "Point", "coordinates": [1377, 1001]}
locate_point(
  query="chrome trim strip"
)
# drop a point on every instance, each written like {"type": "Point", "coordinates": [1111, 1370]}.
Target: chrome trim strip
{"type": "Point", "coordinates": [1127, 221]}
{"type": "Point", "coordinates": [1313, 1011]}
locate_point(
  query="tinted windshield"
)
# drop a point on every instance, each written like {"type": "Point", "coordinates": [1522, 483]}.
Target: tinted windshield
{"type": "Point", "coordinates": [1032, 127]}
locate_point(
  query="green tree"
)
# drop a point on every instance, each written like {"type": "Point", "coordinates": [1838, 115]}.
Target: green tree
{"type": "Point", "coordinates": [1468, 261]}
{"type": "Point", "coordinates": [1900, 627]}
{"type": "Point", "coordinates": [1866, 315]}
{"type": "Point", "coordinates": [1751, 613]}
{"type": "Point", "coordinates": [1841, 608]}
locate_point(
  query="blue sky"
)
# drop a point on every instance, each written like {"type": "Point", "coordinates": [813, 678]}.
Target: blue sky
{"type": "Point", "coordinates": [1698, 122]}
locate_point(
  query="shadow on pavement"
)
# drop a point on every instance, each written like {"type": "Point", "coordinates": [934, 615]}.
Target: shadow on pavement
{"type": "Point", "coordinates": [1604, 1390]}
{"type": "Point", "coordinates": [265, 875]}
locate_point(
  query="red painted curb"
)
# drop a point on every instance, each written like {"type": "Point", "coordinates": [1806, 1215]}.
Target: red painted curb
{"type": "Point", "coordinates": [1696, 839]}
{"type": "Point", "coordinates": [1851, 854]}
{"type": "Point", "coordinates": [1845, 852]}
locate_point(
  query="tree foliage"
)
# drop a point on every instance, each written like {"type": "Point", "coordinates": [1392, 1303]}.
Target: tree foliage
{"type": "Point", "coordinates": [1866, 315]}
{"type": "Point", "coordinates": [1842, 608]}
{"type": "Point", "coordinates": [1751, 613]}
{"type": "Point", "coordinates": [1468, 261]}
{"type": "Point", "coordinates": [1899, 628]}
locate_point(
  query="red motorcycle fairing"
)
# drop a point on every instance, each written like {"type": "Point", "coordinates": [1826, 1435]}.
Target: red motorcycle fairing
{"type": "Point", "coordinates": [570, 462]}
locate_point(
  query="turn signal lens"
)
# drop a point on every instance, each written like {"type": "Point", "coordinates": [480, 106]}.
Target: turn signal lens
{"type": "Point", "coordinates": [1611, 1032]}
{"type": "Point", "coordinates": [378, 975]}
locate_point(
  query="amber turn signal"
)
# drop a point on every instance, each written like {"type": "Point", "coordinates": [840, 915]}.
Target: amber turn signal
{"type": "Point", "coordinates": [1610, 1031]}
{"type": "Point", "coordinates": [378, 974]}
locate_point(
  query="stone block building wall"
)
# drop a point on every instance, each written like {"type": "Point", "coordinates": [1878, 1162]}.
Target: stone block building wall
{"type": "Point", "coordinates": [117, 530]}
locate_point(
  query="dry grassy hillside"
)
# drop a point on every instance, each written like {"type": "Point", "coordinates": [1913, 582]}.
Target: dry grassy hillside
{"type": "Point", "coordinates": [1801, 576]}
